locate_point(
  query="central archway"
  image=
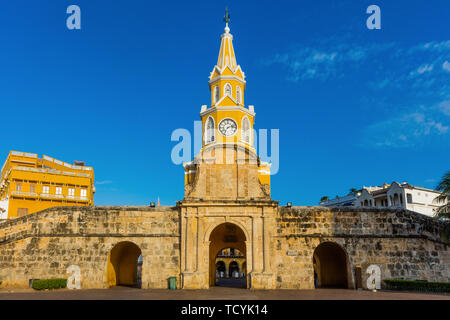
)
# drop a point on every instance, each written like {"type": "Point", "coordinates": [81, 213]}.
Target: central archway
{"type": "Point", "coordinates": [226, 236]}
{"type": "Point", "coordinates": [124, 265]}
{"type": "Point", "coordinates": [330, 266]}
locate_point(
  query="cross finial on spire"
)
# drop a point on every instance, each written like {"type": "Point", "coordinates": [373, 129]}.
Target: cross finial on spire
{"type": "Point", "coordinates": [226, 19]}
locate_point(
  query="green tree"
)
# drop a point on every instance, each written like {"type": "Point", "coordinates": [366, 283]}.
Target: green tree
{"type": "Point", "coordinates": [443, 212]}
{"type": "Point", "coordinates": [324, 198]}
{"type": "Point", "coordinates": [353, 191]}
{"type": "Point", "coordinates": [444, 198]}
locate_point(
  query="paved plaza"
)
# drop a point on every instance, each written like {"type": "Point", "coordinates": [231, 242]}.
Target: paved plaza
{"type": "Point", "coordinates": [215, 293]}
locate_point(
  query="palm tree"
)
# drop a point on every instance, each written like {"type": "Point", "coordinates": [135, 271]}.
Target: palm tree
{"type": "Point", "coordinates": [324, 198]}
{"type": "Point", "coordinates": [443, 212]}
{"type": "Point", "coordinates": [353, 191]}
{"type": "Point", "coordinates": [444, 187]}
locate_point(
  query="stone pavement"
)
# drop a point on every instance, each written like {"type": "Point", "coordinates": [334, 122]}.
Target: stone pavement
{"type": "Point", "coordinates": [215, 293]}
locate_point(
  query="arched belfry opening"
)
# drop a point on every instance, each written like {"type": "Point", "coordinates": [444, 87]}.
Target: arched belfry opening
{"type": "Point", "coordinates": [125, 265]}
{"type": "Point", "coordinates": [330, 266]}
{"type": "Point", "coordinates": [227, 256]}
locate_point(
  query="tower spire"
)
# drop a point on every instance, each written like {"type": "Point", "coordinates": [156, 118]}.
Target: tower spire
{"type": "Point", "coordinates": [226, 54]}
{"type": "Point", "coordinates": [227, 80]}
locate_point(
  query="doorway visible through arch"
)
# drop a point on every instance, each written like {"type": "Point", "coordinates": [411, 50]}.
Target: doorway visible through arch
{"type": "Point", "coordinates": [227, 250]}
{"type": "Point", "coordinates": [330, 266]}
{"type": "Point", "coordinates": [124, 266]}
{"type": "Point", "coordinates": [230, 268]}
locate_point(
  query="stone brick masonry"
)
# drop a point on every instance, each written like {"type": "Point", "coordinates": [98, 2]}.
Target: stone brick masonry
{"type": "Point", "coordinates": [42, 245]}
{"type": "Point", "coordinates": [402, 243]}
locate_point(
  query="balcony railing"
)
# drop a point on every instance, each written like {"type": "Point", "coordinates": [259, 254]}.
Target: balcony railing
{"type": "Point", "coordinates": [23, 154]}
{"type": "Point", "coordinates": [77, 198]}
{"type": "Point", "coordinates": [47, 195]}
{"type": "Point", "coordinates": [65, 164]}
{"type": "Point", "coordinates": [23, 194]}
{"type": "Point", "coordinates": [53, 171]}
{"type": "Point", "coordinates": [54, 196]}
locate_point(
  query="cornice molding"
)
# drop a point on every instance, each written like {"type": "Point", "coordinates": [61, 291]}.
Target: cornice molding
{"type": "Point", "coordinates": [233, 77]}
{"type": "Point", "coordinates": [226, 108]}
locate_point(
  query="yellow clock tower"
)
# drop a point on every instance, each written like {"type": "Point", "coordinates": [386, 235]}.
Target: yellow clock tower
{"type": "Point", "coordinates": [228, 122]}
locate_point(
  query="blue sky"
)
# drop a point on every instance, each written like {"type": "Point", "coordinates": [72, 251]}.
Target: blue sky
{"type": "Point", "coordinates": [355, 107]}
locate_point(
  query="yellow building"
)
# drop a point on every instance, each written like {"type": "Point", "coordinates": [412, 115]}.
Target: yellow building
{"type": "Point", "coordinates": [230, 263]}
{"type": "Point", "coordinates": [29, 184]}
{"type": "Point", "coordinates": [228, 122]}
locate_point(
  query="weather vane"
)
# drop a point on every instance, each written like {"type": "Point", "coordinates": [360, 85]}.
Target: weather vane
{"type": "Point", "coordinates": [226, 17]}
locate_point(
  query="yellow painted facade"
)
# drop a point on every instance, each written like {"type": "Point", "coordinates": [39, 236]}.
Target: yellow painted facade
{"type": "Point", "coordinates": [227, 256]}
{"type": "Point", "coordinates": [228, 121]}
{"type": "Point", "coordinates": [29, 184]}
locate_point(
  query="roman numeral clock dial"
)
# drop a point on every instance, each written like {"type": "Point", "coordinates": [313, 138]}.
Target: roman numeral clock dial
{"type": "Point", "coordinates": [227, 127]}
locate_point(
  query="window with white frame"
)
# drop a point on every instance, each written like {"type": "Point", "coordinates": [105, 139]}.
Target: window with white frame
{"type": "Point", "coordinates": [83, 193]}
{"type": "Point", "coordinates": [209, 134]}
{"type": "Point", "coordinates": [216, 94]}
{"type": "Point", "coordinates": [71, 192]}
{"type": "Point", "coordinates": [228, 90]}
{"type": "Point", "coordinates": [246, 130]}
{"type": "Point", "coordinates": [238, 95]}
{"type": "Point", "coordinates": [58, 190]}
{"type": "Point", "coordinates": [46, 189]}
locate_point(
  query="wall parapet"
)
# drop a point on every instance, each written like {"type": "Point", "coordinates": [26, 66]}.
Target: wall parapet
{"type": "Point", "coordinates": [93, 221]}
{"type": "Point", "coordinates": [344, 222]}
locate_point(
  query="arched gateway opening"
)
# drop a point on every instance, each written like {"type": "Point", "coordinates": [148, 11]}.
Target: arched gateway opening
{"type": "Point", "coordinates": [330, 266]}
{"type": "Point", "coordinates": [124, 265]}
{"type": "Point", "coordinates": [227, 252]}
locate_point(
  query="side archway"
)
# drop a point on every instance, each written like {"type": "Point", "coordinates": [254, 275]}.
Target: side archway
{"type": "Point", "coordinates": [330, 266]}
{"type": "Point", "coordinates": [123, 267]}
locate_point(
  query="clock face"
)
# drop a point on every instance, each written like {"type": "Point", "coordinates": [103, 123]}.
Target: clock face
{"type": "Point", "coordinates": [227, 127]}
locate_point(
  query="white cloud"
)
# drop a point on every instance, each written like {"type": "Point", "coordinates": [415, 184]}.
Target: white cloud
{"type": "Point", "coordinates": [444, 107]}
{"type": "Point", "coordinates": [446, 65]}
{"type": "Point", "coordinates": [334, 57]}
{"type": "Point", "coordinates": [103, 182]}
{"type": "Point", "coordinates": [435, 46]}
{"type": "Point", "coordinates": [424, 68]}
{"type": "Point", "coordinates": [324, 61]}
{"type": "Point", "coordinates": [409, 129]}
{"type": "Point", "coordinates": [386, 67]}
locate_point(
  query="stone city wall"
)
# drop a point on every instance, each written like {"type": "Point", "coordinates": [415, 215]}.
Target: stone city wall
{"type": "Point", "coordinates": [43, 245]}
{"type": "Point", "coordinates": [404, 244]}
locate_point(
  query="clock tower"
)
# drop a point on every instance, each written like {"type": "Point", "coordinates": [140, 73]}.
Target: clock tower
{"type": "Point", "coordinates": [227, 202]}
{"type": "Point", "coordinates": [227, 120]}
{"type": "Point", "coordinates": [227, 123]}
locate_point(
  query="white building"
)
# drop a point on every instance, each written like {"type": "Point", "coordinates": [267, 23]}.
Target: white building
{"type": "Point", "coordinates": [345, 201]}
{"type": "Point", "coordinates": [395, 195]}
